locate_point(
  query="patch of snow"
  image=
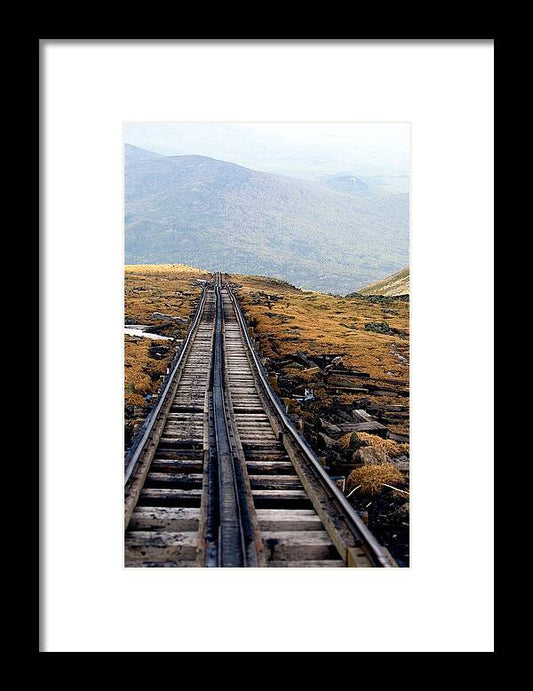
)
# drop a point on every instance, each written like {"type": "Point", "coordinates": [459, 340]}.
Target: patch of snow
{"type": "Point", "coordinates": [140, 332]}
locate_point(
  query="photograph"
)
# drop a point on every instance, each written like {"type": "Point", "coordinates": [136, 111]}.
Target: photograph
{"type": "Point", "coordinates": [267, 275]}
{"type": "Point", "coordinates": [266, 344]}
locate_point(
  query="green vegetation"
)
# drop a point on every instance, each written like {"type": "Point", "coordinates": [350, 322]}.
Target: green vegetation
{"type": "Point", "coordinates": [216, 214]}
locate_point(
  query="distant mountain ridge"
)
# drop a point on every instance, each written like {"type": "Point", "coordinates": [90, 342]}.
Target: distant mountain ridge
{"type": "Point", "coordinates": [392, 286]}
{"type": "Point", "coordinates": [221, 216]}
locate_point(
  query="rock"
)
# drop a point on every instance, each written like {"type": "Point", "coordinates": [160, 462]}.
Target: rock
{"type": "Point", "coordinates": [401, 465]}
{"type": "Point", "coordinates": [354, 442]}
{"type": "Point", "coordinates": [160, 315]}
{"type": "Point", "coordinates": [329, 427]}
{"type": "Point", "coordinates": [369, 455]}
{"type": "Point", "coordinates": [326, 442]}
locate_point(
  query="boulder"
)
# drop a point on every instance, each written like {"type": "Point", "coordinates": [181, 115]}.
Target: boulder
{"type": "Point", "coordinates": [326, 442]}
{"type": "Point", "coordinates": [369, 455]}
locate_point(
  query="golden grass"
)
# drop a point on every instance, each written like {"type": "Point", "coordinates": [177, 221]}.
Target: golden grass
{"type": "Point", "coordinates": [141, 372]}
{"type": "Point", "coordinates": [345, 440]}
{"type": "Point", "coordinates": [371, 478]}
{"type": "Point", "coordinates": [322, 324]}
{"type": "Point", "coordinates": [166, 288]}
{"type": "Point", "coordinates": [319, 323]}
{"type": "Point", "coordinates": [388, 446]}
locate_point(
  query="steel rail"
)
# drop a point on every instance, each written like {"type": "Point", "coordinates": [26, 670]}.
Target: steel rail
{"type": "Point", "coordinates": [357, 527]}
{"type": "Point", "coordinates": [235, 529]}
{"type": "Point", "coordinates": [132, 458]}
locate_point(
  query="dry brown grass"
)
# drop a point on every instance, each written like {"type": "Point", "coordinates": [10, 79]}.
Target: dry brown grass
{"type": "Point", "coordinates": [167, 288]}
{"type": "Point", "coordinates": [170, 289]}
{"type": "Point", "coordinates": [371, 478]}
{"type": "Point", "coordinates": [320, 323]}
{"type": "Point", "coordinates": [141, 372]}
{"type": "Point", "coordinates": [387, 446]}
{"type": "Point", "coordinates": [345, 440]}
{"type": "Point", "coordinates": [314, 319]}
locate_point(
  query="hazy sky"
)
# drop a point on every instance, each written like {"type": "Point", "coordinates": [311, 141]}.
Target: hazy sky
{"type": "Point", "coordinates": [302, 149]}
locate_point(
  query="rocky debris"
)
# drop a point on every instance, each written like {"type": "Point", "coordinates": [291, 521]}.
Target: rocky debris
{"type": "Point", "coordinates": [346, 389]}
{"type": "Point", "coordinates": [305, 360]}
{"type": "Point", "coordinates": [330, 428]}
{"type": "Point", "coordinates": [318, 390]}
{"type": "Point", "coordinates": [373, 427]}
{"type": "Point", "coordinates": [158, 352]}
{"type": "Point", "coordinates": [388, 519]}
{"type": "Point", "coordinates": [402, 463]}
{"type": "Point", "coordinates": [353, 444]}
{"type": "Point", "coordinates": [326, 442]}
{"type": "Point", "coordinates": [336, 362]}
{"type": "Point", "coordinates": [400, 357]}
{"type": "Point", "coordinates": [370, 455]}
{"type": "Point", "coordinates": [166, 317]}
{"type": "Point", "coordinates": [131, 321]}
{"type": "Point", "coordinates": [308, 396]}
{"type": "Point", "coordinates": [261, 298]}
{"type": "Point", "coordinates": [400, 438]}
{"type": "Point", "coordinates": [347, 373]}
{"type": "Point", "coordinates": [343, 415]}
{"type": "Point", "coordinates": [327, 359]}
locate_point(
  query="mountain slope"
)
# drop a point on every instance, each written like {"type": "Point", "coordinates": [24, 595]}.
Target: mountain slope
{"type": "Point", "coordinates": [218, 215]}
{"type": "Point", "coordinates": [397, 284]}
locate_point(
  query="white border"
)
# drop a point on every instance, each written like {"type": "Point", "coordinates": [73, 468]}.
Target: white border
{"type": "Point", "coordinates": [444, 602]}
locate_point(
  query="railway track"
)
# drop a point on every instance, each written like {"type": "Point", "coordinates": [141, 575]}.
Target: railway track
{"type": "Point", "coordinates": [220, 476]}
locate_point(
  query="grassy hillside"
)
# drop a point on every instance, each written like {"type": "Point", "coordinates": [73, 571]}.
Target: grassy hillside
{"type": "Point", "coordinates": [170, 290]}
{"type": "Point", "coordinates": [397, 284]}
{"type": "Point", "coordinates": [372, 334]}
{"type": "Point", "coordinates": [369, 333]}
{"type": "Point", "coordinates": [332, 237]}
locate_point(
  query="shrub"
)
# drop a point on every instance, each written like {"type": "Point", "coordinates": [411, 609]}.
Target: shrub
{"type": "Point", "coordinates": [388, 446]}
{"type": "Point", "coordinates": [379, 327]}
{"type": "Point", "coordinates": [372, 477]}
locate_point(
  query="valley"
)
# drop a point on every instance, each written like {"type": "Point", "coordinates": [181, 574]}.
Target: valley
{"type": "Point", "coordinates": [333, 235]}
